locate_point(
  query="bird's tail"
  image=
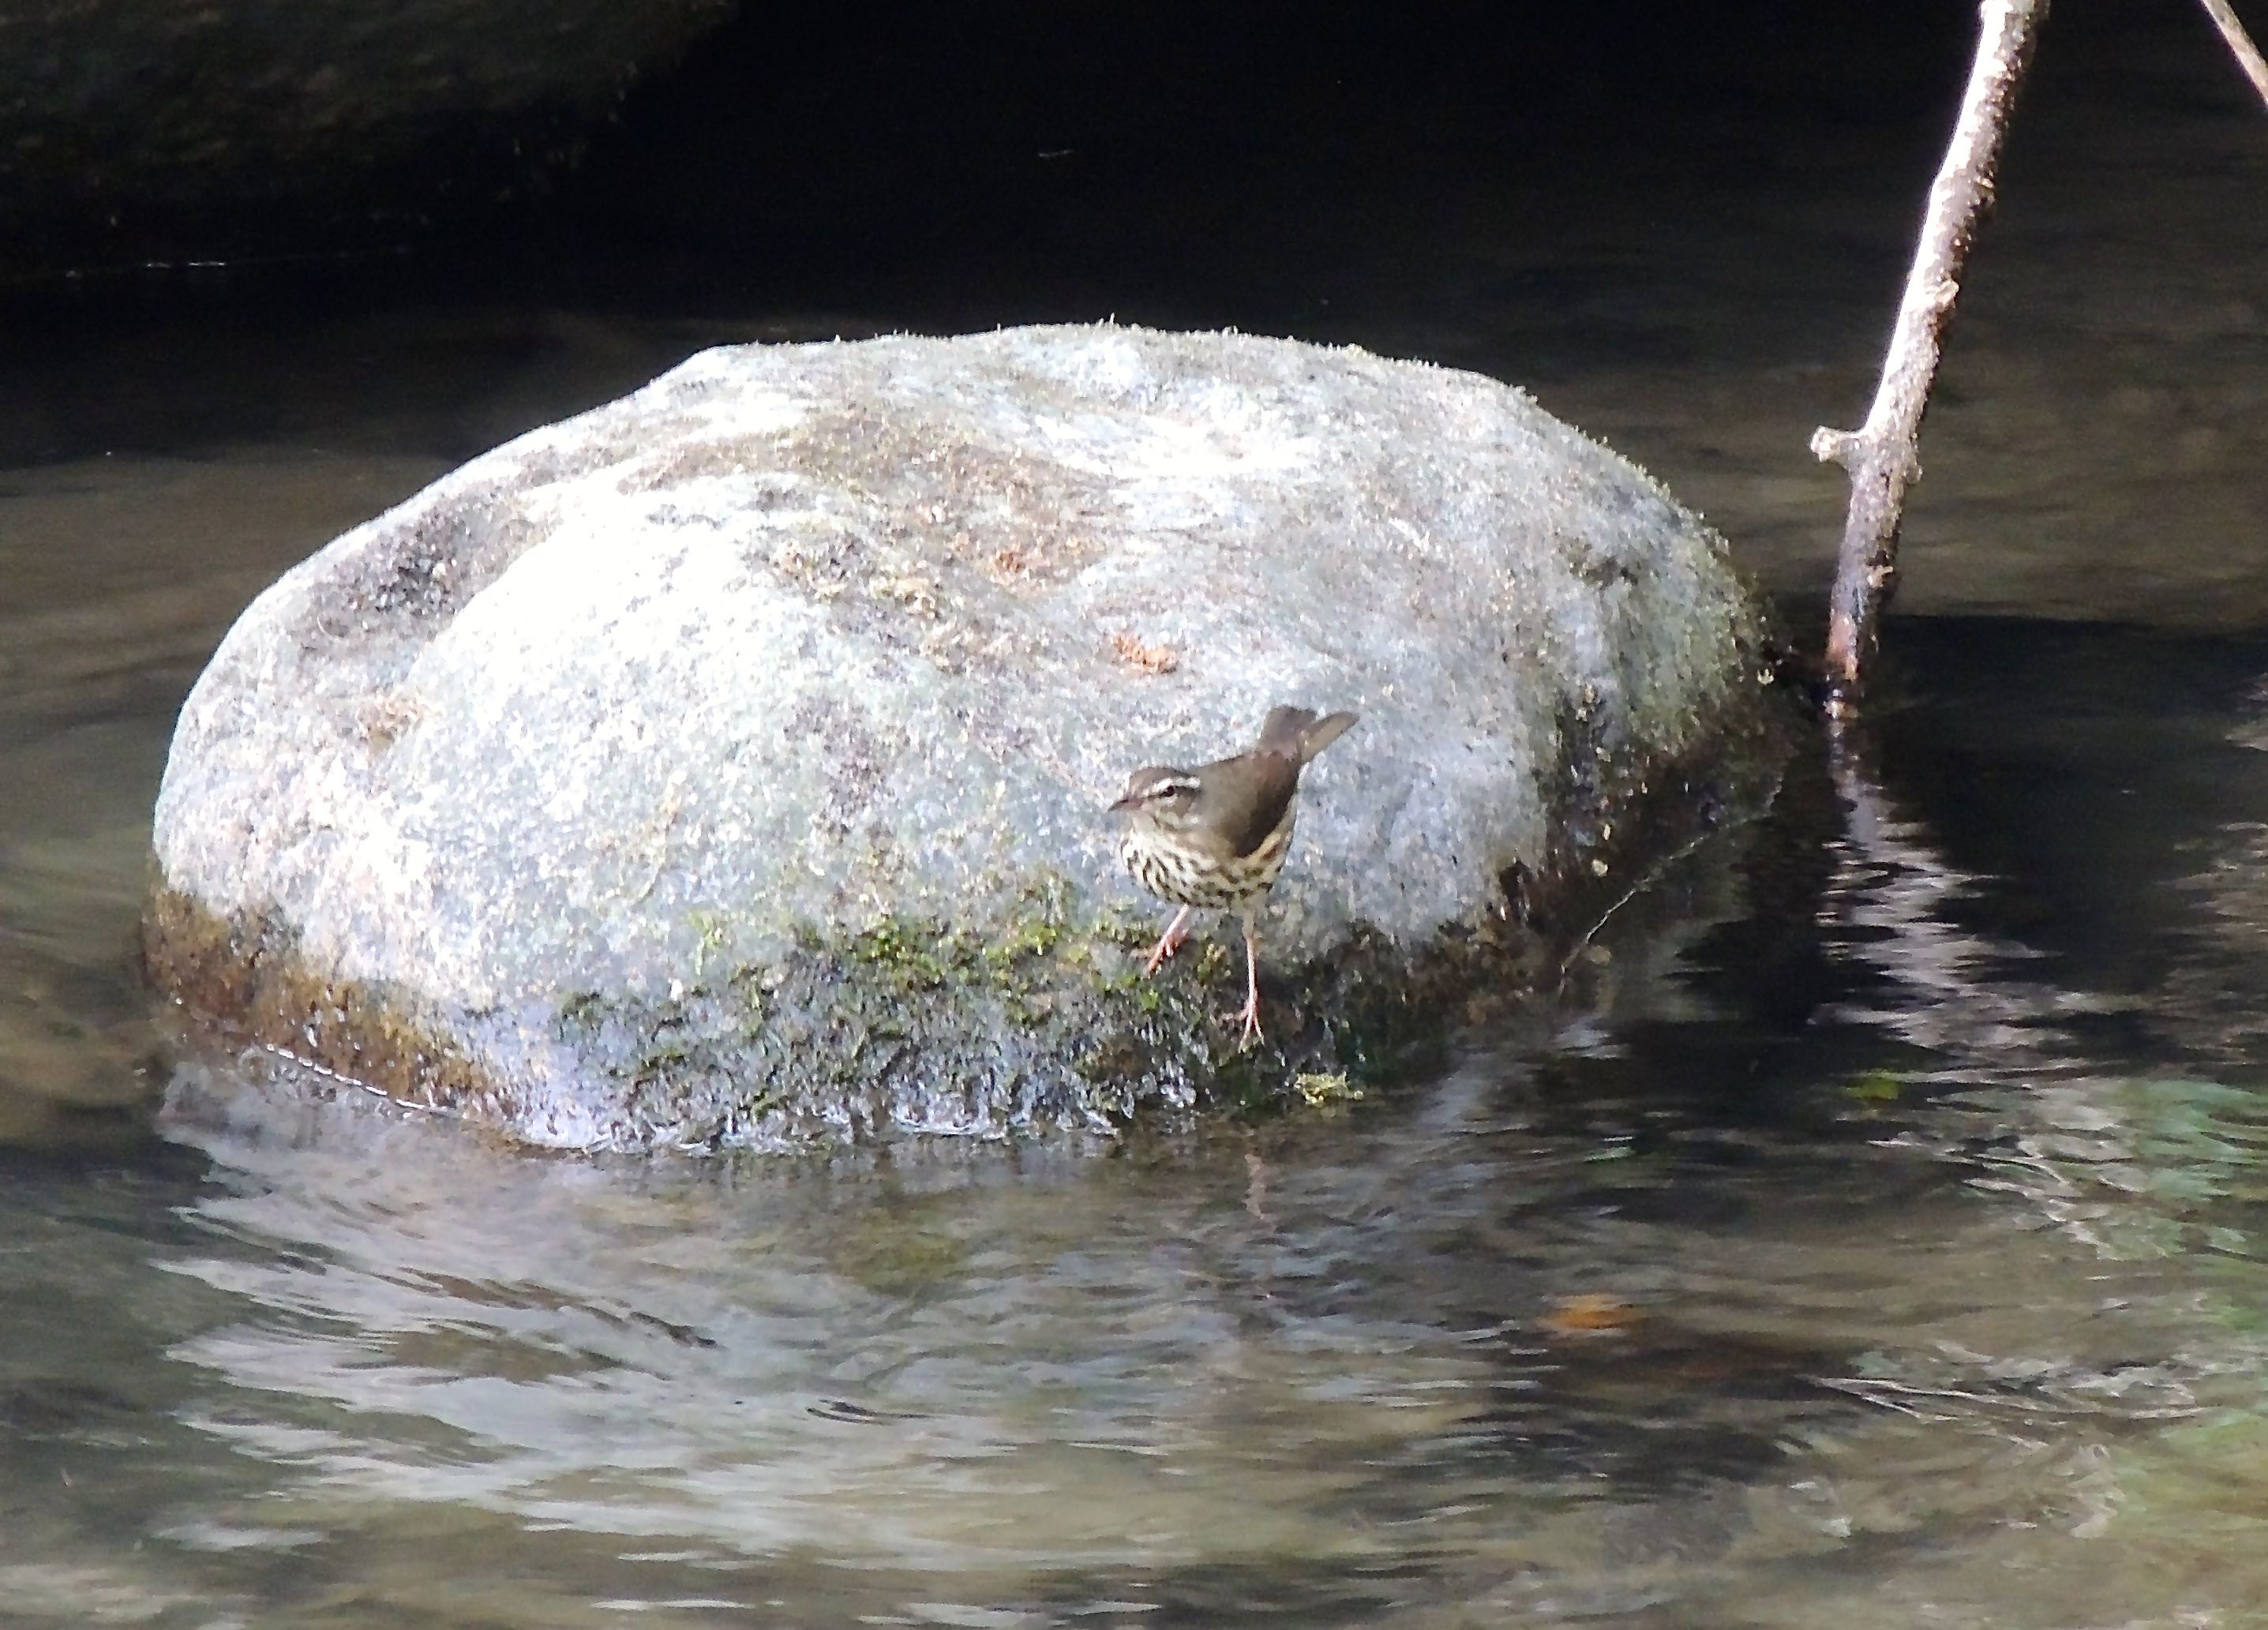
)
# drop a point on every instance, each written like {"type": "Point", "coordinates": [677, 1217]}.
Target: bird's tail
{"type": "Point", "coordinates": [1298, 734]}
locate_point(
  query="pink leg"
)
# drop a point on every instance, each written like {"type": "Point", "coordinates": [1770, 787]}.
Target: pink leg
{"type": "Point", "coordinates": [1168, 942]}
{"type": "Point", "coordinates": [1251, 1014]}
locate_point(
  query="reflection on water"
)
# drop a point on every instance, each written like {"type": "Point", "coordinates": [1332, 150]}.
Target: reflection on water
{"type": "Point", "coordinates": [1856, 1254]}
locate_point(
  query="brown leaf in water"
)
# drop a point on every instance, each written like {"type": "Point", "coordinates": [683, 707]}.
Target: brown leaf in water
{"type": "Point", "coordinates": [1591, 1314]}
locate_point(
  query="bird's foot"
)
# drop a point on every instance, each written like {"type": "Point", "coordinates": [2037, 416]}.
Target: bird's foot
{"type": "Point", "coordinates": [1172, 940]}
{"type": "Point", "coordinates": [1251, 1014]}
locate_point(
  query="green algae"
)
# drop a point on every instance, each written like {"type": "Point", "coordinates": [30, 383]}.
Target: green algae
{"type": "Point", "coordinates": [1035, 1015]}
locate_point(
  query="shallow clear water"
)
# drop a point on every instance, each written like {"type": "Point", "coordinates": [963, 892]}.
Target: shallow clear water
{"type": "Point", "coordinates": [1869, 1231]}
{"type": "Point", "coordinates": [1886, 1245]}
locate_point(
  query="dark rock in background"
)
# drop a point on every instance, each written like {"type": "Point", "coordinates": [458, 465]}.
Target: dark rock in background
{"type": "Point", "coordinates": [142, 129]}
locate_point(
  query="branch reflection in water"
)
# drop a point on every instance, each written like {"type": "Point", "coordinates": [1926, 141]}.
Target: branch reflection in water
{"type": "Point", "coordinates": [1813, 1211]}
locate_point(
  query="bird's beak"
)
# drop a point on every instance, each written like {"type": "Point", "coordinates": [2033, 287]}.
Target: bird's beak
{"type": "Point", "coordinates": [1125, 804]}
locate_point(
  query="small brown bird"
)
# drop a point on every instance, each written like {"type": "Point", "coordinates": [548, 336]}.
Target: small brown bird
{"type": "Point", "coordinates": [1214, 838]}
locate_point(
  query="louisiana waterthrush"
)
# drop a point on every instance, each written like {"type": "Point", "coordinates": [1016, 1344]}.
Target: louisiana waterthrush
{"type": "Point", "coordinates": [1214, 838]}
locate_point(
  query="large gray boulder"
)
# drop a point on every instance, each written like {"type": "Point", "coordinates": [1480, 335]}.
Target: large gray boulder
{"type": "Point", "coordinates": [729, 763]}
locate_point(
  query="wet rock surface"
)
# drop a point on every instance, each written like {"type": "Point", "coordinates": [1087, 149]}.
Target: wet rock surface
{"type": "Point", "coordinates": [728, 764]}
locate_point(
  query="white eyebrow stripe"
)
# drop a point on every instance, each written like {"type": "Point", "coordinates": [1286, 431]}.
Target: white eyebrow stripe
{"type": "Point", "coordinates": [1177, 783]}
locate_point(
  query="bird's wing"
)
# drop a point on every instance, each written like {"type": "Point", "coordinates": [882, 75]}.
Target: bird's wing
{"type": "Point", "coordinates": [1248, 807]}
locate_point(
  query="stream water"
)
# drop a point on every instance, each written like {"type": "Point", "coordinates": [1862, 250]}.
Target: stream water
{"type": "Point", "coordinates": [1870, 1230]}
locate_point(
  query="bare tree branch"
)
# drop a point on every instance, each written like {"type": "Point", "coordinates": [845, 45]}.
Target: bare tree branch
{"type": "Point", "coordinates": [1881, 455]}
{"type": "Point", "coordinates": [2248, 55]}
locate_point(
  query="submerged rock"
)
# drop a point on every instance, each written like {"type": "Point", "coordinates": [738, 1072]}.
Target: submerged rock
{"type": "Point", "coordinates": [729, 762]}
